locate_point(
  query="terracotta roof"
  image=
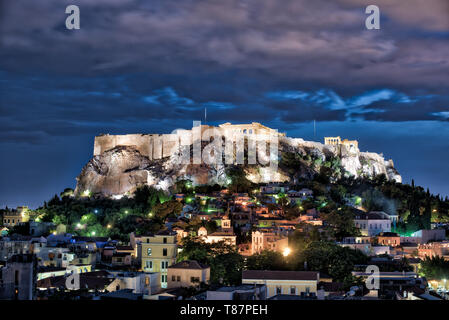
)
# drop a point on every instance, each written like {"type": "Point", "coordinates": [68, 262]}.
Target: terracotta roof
{"type": "Point", "coordinates": [188, 264]}
{"type": "Point", "coordinates": [374, 215]}
{"type": "Point", "coordinates": [280, 275]}
{"type": "Point", "coordinates": [388, 234]}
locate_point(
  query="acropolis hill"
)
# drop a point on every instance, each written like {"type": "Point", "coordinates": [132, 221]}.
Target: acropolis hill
{"type": "Point", "coordinates": [121, 163]}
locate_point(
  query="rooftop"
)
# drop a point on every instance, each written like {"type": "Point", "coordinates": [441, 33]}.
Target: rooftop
{"type": "Point", "coordinates": [188, 264]}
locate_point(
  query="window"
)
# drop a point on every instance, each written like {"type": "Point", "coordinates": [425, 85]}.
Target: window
{"type": "Point", "coordinates": [278, 290]}
{"type": "Point", "coordinates": [149, 251]}
{"type": "Point", "coordinates": [148, 240]}
{"type": "Point", "coordinates": [164, 265]}
{"type": "Point", "coordinates": [194, 279]}
{"type": "Point", "coordinates": [164, 252]}
{"type": "Point", "coordinates": [149, 264]}
{"type": "Point", "coordinates": [178, 278]}
{"type": "Point", "coordinates": [173, 278]}
{"type": "Point", "coordinates": [164, 278]}
{"type": "Point", "coordinates": [292, 290]}
{"type": "Point", "coordinates": [165, 240]}
{"type": "Point", "coordinates": [147, 281]}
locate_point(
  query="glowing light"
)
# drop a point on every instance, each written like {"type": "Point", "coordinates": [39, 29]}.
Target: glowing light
{"type": "Point", "coordinates": [150, 214]}
{"type": "Point", "coordinates": [286, 251]}
{"type": "Point", "coordinates": [78, 225]}
{"type": "Point", "coordinates": [109, 226]}
{"type": "Point", "coordinates": [55, 233]}
{"type": "Point", "coordinates": [92, 233]}
{"type": "Point", "coordinates": [126, 211]}
{"type": "Point", "coordinates": [96, 211]}
{"type": "Point", "coordinates": [86, 193]}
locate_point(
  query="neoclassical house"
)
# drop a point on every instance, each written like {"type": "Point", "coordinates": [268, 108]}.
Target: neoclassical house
{"type": "Point", "coordinates": [226, 233]}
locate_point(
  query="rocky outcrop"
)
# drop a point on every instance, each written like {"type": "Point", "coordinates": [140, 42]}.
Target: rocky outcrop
{"type": "Point", "coordinates": [120, 170]}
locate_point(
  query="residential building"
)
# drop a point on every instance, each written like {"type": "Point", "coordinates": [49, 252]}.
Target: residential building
{"type": "Point", "coordinates": [242, 292]}
{"type": "Point", "coordinates": [430, 235]}
{"type": "Point", "coordinates": [303, 283]}
{"type": "Point", "coordinates": [226, 233]}
{"type": "Point", "coordinates": [434, 249]}
{"type": "Point", "coordinates": [53, 256]}
{"type": "Point", "coordinates": [372, 223]}
{"type": "Point", "coordinates": [188, 273]}
{"type": "Point", "coordinates": [18, 245]}
{"type": "Point", "coordinates": [268, 240]}
{"type": "Point", "coordinates": [18, 278]}
{"type": "Point", "coordinates": [158, 252]}
{"type": "Point", "coordinates": [15, 217]}
{"type": "Point", "coordinates": [389, 239]}
{"type": "Point", "coordinates": [139, 282]}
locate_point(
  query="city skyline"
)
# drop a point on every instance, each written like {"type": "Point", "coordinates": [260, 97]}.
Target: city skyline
{"type": "Point", "coordinates": [142, 67]}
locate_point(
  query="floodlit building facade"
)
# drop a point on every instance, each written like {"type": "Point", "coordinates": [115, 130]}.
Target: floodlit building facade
{"type": "Point", "coordinates": [158, 252]}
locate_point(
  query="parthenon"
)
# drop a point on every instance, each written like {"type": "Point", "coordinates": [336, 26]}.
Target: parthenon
{"type": "Point", "coordinates": [157, 146]}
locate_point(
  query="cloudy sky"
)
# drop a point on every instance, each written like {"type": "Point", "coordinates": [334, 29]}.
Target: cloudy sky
{"type": "Point", "coordinates": [151, 66]}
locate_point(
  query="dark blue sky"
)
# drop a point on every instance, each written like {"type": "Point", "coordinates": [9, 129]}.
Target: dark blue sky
{"type": "Point", "coordinates": [153, 66]}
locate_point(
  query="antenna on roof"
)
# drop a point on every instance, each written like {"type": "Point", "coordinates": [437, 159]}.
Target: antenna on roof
{"type": "Point", "coordinates": [314, 129]}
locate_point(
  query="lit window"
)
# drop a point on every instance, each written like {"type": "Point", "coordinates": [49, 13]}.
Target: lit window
{"type": "Point", "coordinates": [149, 251]}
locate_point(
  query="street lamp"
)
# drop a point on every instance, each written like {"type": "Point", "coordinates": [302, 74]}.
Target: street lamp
{"type": "Point", "coordinates": [286, 251]}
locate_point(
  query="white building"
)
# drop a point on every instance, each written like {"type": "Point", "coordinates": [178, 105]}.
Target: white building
{"type": "Point", "coordinates": [372, 223]}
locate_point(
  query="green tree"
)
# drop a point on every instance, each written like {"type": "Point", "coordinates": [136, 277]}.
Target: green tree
{"type": "Point", "coordinates": [340, 223]}
{"type": "Point", "coordinates": [266, 260]}
{"type": "Point", "coordinates": [330, 258]}
{"type": "Point", "coordinates": [434, 268]}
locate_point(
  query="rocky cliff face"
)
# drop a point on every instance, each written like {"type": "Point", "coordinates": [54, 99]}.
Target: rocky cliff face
{"type": "Point", "coordinates": [120, 170]}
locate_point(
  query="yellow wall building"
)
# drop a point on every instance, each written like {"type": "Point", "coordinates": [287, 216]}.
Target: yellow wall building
{"type": "Point", "coordinates": [12, 218]}
{"type": "Point", "coordinates": [301, 283]}
{"type": "Point", "coordinates": [158, 252]}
